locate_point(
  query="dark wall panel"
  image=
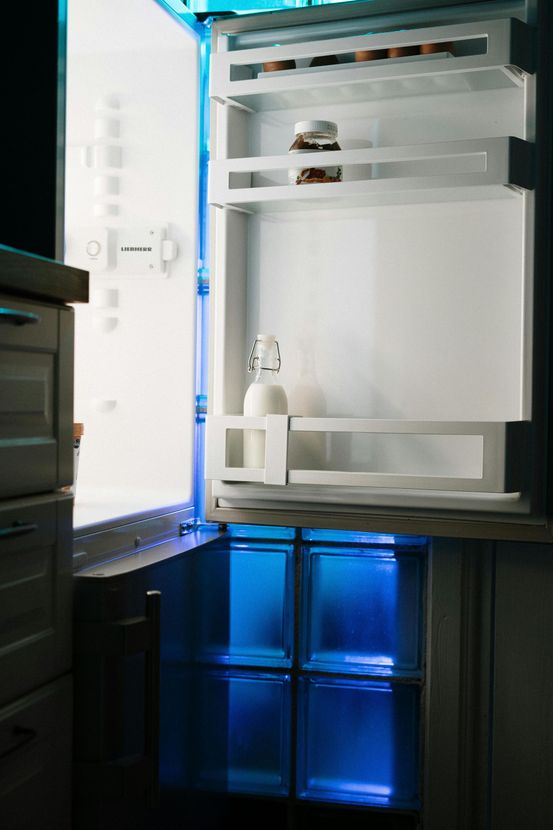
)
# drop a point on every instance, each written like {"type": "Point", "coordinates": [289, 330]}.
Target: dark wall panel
{"type": "Point", "coordinates": [522, 773]}
{"type": "Point", "coordinates": [30, 145]}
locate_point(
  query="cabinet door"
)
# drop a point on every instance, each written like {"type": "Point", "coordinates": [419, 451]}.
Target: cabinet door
{"type": "Point", "coordinates": [35, 759]}
{"type": "Point", "coordinates": [36, 380]}
{"type": "Point", "coordinates": [410, 297]}
{"type": "Point", "coordinates": [35, 593]}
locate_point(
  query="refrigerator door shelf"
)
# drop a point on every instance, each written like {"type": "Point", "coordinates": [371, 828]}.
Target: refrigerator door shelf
{"type": "Point", "coordinates": [452, 170]}
{"type": "Point", "coordinates": [496, 470]}
{"type": "Point", "coordinates": [491, 54]}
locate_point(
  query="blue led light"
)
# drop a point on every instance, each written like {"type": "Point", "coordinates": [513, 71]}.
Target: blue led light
{"type": "Point", "coordinates": [261, 532]}
{"type": "Point", "coordinates": [353, 537]}
{"type": "Point", "coordinates": [249, 6]}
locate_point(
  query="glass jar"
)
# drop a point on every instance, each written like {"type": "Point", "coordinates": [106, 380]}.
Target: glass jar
{"type": "Point", "coordinates": [315, 137]}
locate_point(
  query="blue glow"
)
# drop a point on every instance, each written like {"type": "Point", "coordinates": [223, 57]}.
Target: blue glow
{"type": "Point", "coordinates": [353, 537]}
{"type": "Point", "coordinates": [60, 130]}
{"type": "Point", "coordinates": [180, 11]}
{"type": "Point", "coordinates": [244, 600]}
{"type": "Point", "coordinates": [358, 742]}
{"type": "Point", "coordinates": [202, 310]}
{"type": "Point", "coordinates": [261, 532]}
{"type": "Point", "coordinates": [243, 732]}
{"type": "Point", "coordinates": [249, 6]}
{"type": "Point", "coordinates": [361, 611]}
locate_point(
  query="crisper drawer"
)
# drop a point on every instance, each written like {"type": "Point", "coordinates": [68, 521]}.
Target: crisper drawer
{"type": "Point", "coordinates": [36, 392]}
{"type": "Point", "coordinates": [35, 593]}
{"type": "Point", "coordinates": [35, 760]}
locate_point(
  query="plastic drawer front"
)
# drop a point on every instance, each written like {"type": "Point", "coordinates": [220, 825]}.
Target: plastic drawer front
{"type": "Point", "coordinates": [36, 388]}
{"type": "Point", "coordinates": [35, 593]}
{"type": "Point", "coordinates": [35, 760]}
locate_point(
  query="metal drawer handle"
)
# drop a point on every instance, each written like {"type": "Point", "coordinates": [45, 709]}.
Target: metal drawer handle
{"type": "Point", "coordinates": [17, 529]}
{"type": "Point", "coordinates": [18, 318]}
{"type": "Point", "coordinates": [24, 735]}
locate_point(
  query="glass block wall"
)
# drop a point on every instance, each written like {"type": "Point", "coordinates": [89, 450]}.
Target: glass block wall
{"type": "Point", "coordinates": [307, 649]}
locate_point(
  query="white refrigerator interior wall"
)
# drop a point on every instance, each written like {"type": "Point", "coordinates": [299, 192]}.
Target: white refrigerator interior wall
{"type": "Point", "coordinates": [403, 311]}
{"type": "Point", "coordinates": [132, 169]}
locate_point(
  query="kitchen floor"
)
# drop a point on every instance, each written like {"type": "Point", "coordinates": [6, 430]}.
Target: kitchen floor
{"type": "Point", "coordinates": [213, 811]}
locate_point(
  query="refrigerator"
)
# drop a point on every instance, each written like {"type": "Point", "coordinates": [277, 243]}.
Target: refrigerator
{"type": "Point", "coordinates": [336, 627]}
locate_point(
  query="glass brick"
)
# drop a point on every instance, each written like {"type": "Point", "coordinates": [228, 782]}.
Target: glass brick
{"type": "Point", "coordinates": [243, 732]}
{"type": "Point", "coordinates": [361, 611]}
{"type": "Point", "coordinates": [354, 537]}
{"type": "Point", "coordinates": [244, 603]}
{"type": "Point", "coordinates": [174, 727]}
{"type": "Point", "coordinates": [261, 532]}
{"type": "Point", "coordinates": [358, 742]}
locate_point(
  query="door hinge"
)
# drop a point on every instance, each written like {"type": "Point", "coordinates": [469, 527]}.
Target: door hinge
{"type": "Point", "coordinates": [188, 527]}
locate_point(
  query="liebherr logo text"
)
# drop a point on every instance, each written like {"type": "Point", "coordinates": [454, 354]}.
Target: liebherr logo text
{"type": "Point", "coordinates": [131, 248]}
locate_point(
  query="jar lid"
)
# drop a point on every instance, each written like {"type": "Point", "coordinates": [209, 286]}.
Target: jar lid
{"type": "Point", "coordinates": [316, 127]}
{"type": "Point", "coordinates": [266, 338]}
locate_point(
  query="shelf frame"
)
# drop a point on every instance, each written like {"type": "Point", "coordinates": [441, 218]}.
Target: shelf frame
{"type": "Point", "coordinates": [508, 58]}
{"type": "Point", "coordinates": [505, 162]}
{"type": "Point", "coordinates": [502, 449]}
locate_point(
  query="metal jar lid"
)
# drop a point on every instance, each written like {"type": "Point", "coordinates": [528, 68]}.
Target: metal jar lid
{"type": "Point", "coordinates": [316, 127]}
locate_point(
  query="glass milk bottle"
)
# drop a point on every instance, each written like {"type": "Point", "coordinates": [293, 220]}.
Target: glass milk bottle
{"type": "Point", "coordinates": [264, 395]}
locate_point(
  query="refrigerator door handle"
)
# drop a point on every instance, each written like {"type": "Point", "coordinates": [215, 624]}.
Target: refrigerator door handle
{"type": "Point", "coordinates": [152, 695]}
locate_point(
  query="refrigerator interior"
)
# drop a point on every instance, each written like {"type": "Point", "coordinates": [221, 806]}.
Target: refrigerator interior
{"type": "Point", "coordinates": [131, 220]}
{"type": "Point", "coordinates": [397, 295]}
{"type": "Point", "coordinates": [402, 297]}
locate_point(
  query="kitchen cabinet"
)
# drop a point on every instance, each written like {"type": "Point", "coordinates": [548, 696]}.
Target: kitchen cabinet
{"type": "Point", "coordinates": [36, 538]}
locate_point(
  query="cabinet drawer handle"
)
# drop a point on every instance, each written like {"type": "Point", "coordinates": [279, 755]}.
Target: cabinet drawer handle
{"type": "Point", "coordinates": [18, 318]}
{"type": "Point", "coordinates": [23, 735]}
{"type": "Point", "coordinates": [17, 529]}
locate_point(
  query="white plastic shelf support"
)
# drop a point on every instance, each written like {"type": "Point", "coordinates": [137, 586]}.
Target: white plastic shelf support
{"type": "Point", "coordinates": [502, 448]}
{"type": "Point", "coordinates": [474, 168]}
{"type": "Point", "coordinates": [502, 57]}
{"type": "Point", "coordinates": [276, 448]}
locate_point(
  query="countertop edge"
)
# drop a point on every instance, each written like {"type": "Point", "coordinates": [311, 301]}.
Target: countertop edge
{"type": "Point", "coordinates": [39, 278]}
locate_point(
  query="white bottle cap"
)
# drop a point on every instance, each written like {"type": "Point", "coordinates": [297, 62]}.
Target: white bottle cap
{"type": "Point", "coordinates": [266, 338]}
{"type": "Point", "coordinates": [316, 127]}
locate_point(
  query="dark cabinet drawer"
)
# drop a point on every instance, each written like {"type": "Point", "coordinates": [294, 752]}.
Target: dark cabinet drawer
{"type": "Point", "coordinates": [28, 325]}
{"type": "Point", "coordinates": [36, 397]}
{"type": "Point", "coordinates": [35, 593]}
{"type": "Point", "coordinates": [35, 760]}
